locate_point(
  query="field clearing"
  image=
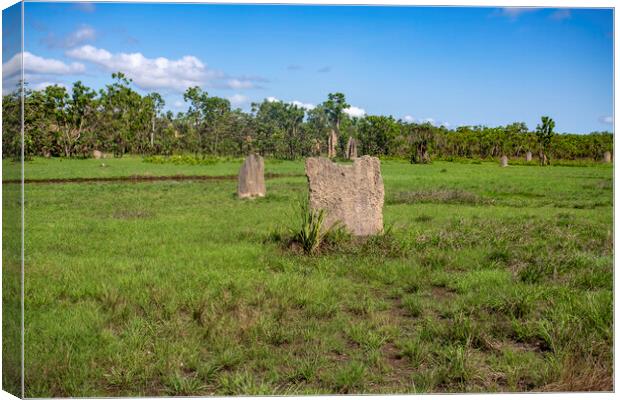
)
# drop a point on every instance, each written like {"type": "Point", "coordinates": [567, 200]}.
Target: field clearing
{"type": "Point", "coordinates": [489, 279]}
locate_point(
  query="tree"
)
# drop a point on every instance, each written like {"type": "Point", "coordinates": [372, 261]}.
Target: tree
{"type": "Point", "coordinates": [156, 104]}
{"type": "Point", "coordinates": [69, 113]}
{"type": "Point", "coordinates": [216, 112]}
{"type": "Point", "coordinates": [420, 138]}
{"type": "Point", "coordinates": [515, 138]}
{"type": "Point", "coordinates": [12, 123]}
{"type": "Point", "coordinates": [69, 123]}
{"type": "Point", "coordinates": [544, 133]}
{"type": "Point", "coordinates": [317, 124]}
{"type": "Point", "coordinates": [334, 109]}
{"type": "Point", "coordinates": [208, 116]}
{"type": "Point", "coordinates": [124, 119]}
{"type": "Point", "coordinates": [377, 134]}
{"type": "Point", "coordinates": [279, 126]}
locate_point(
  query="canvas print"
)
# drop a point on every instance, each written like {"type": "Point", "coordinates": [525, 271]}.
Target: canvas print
{"type": "Point", "coordinates": [246, 199]}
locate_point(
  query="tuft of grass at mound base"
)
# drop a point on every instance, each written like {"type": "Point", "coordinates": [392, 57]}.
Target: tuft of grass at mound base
{"type": "Point", "coordinates": [490, 279]}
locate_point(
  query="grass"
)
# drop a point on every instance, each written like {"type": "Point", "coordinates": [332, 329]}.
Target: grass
{"type": "Point", "coordinates": [489, 279]}
{"type": "Point", "coordinates": [61, 168]}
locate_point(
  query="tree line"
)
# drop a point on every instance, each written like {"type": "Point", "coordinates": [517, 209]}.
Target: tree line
{"type": "Point", "coordinates": [119, 120]}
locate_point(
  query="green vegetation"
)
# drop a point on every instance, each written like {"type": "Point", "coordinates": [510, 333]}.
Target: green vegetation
{"type": "Point", "coordinates": [311, 232]}
{"type": "Point", "coordinates": [488, 279]}
{"type": "Point", "coordinates": [11, 282]}
{"type": "Point", "coordinates": [544, 132]}
{"type": "Point", "coordinates": [119, 120]}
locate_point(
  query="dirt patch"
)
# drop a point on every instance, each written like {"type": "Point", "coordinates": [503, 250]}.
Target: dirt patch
{"type": "Point", "coordinates": [132, 214]}
{"type": "Point", "coordinates": [397, 312]}
{"type": "Point", "coordinates": [442, 293]}
{"type": "Point", "coordinates": [400, 366]}
{"type": "Point", "coordinates": [499, 346]}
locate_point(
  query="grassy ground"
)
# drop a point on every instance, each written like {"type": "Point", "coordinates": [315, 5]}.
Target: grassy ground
{"type": "Point", "coordinates": [60, 168]}
{"type": "Point", "coordinates": [11, 282]}
{"type": "Point", "coordinates": [490, 279]}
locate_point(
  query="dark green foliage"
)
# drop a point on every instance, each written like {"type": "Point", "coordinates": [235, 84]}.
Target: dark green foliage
{"type": "Point", "coordinates": [544, 133]}
{"type": "Point", "coordinates": [378, 135]}
{"type": "Point", "coordinates": [117, 119]}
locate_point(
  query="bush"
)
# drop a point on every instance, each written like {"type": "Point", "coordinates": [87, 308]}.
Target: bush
{"type": "Point", "coordinates": [310, 232]}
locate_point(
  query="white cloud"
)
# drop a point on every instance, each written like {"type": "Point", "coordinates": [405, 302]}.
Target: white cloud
{"type": "Point", "coordinates": [85, 7]}
{"type": "Point", "coordinates": [149, 73]}
{"type": "Point", "coordinates": [515, 12]}
{"type": "Point", "coordinates": [238, 99]}
{"type": "Point", "coordinates": [178, 104]}
{"type": "Point", "coordinates": [410, 119]}
{"type": "Point", "coordinates": [38, 65]}
{"type": "Point", "coordinates": [161, 72]}
{"type": "Point", "coordinates": [354, 111]}
{"type": "Point", "coordinates": [307, 106]}
{"type": "Point", "coordinates": [606, 119]}
{"type": "Point", "coordinates": [561, 14]}
{"type": "Point", "coordinates": [43, 85]}
{"type": "Point", "coordinates": [81, 35]}
{"type": "Point", "coordinates": [240, 84]}
{"type": "Point", "coordinates": [75, 38]}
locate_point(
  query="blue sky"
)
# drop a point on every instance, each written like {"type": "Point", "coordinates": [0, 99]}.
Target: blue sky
{"type": "Point", "coordinates": [458, 66]}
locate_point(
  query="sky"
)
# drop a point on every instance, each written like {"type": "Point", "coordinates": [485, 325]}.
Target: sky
{"type": "Point", "coordinates": [446, 65]}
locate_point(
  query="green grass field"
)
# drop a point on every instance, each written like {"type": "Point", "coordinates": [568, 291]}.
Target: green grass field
{"type": "Point", "coordinates": [489, 279]}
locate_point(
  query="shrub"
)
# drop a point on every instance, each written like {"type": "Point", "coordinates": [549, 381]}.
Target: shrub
{"type": "Point", "coordinates": [310, 232]}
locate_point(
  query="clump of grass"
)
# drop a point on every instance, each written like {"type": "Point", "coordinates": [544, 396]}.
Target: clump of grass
{"type": "Point", "coordinates": [310, 232]}
{"type": "Point", "coordinates": [460, 367]}
{"type": "Point", "coordinates": [242, 383]}
{"type": "Point", "coordinates": [179, 385]}
{"type": "Point", "coordinates": [533, 273]}
{"type": "Point", "coordinates": [423, 218]}
{"type": "Point", "coordinates": [276, 235]}
{"type": "Point", "coordinates": [306, 371]}
{"type": "Point", "coordinates": [499, 255]}
{"type": "Point", "coordinates": [415, 350]}
{"type": "Point", "coordinates": [413, 305]}
{"type": "Point", "coordinates": [367, 338]}
{"type": "Point", "coordinates": [386, 244]}
{"type": "Point", "coordinates": [350, 378]}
